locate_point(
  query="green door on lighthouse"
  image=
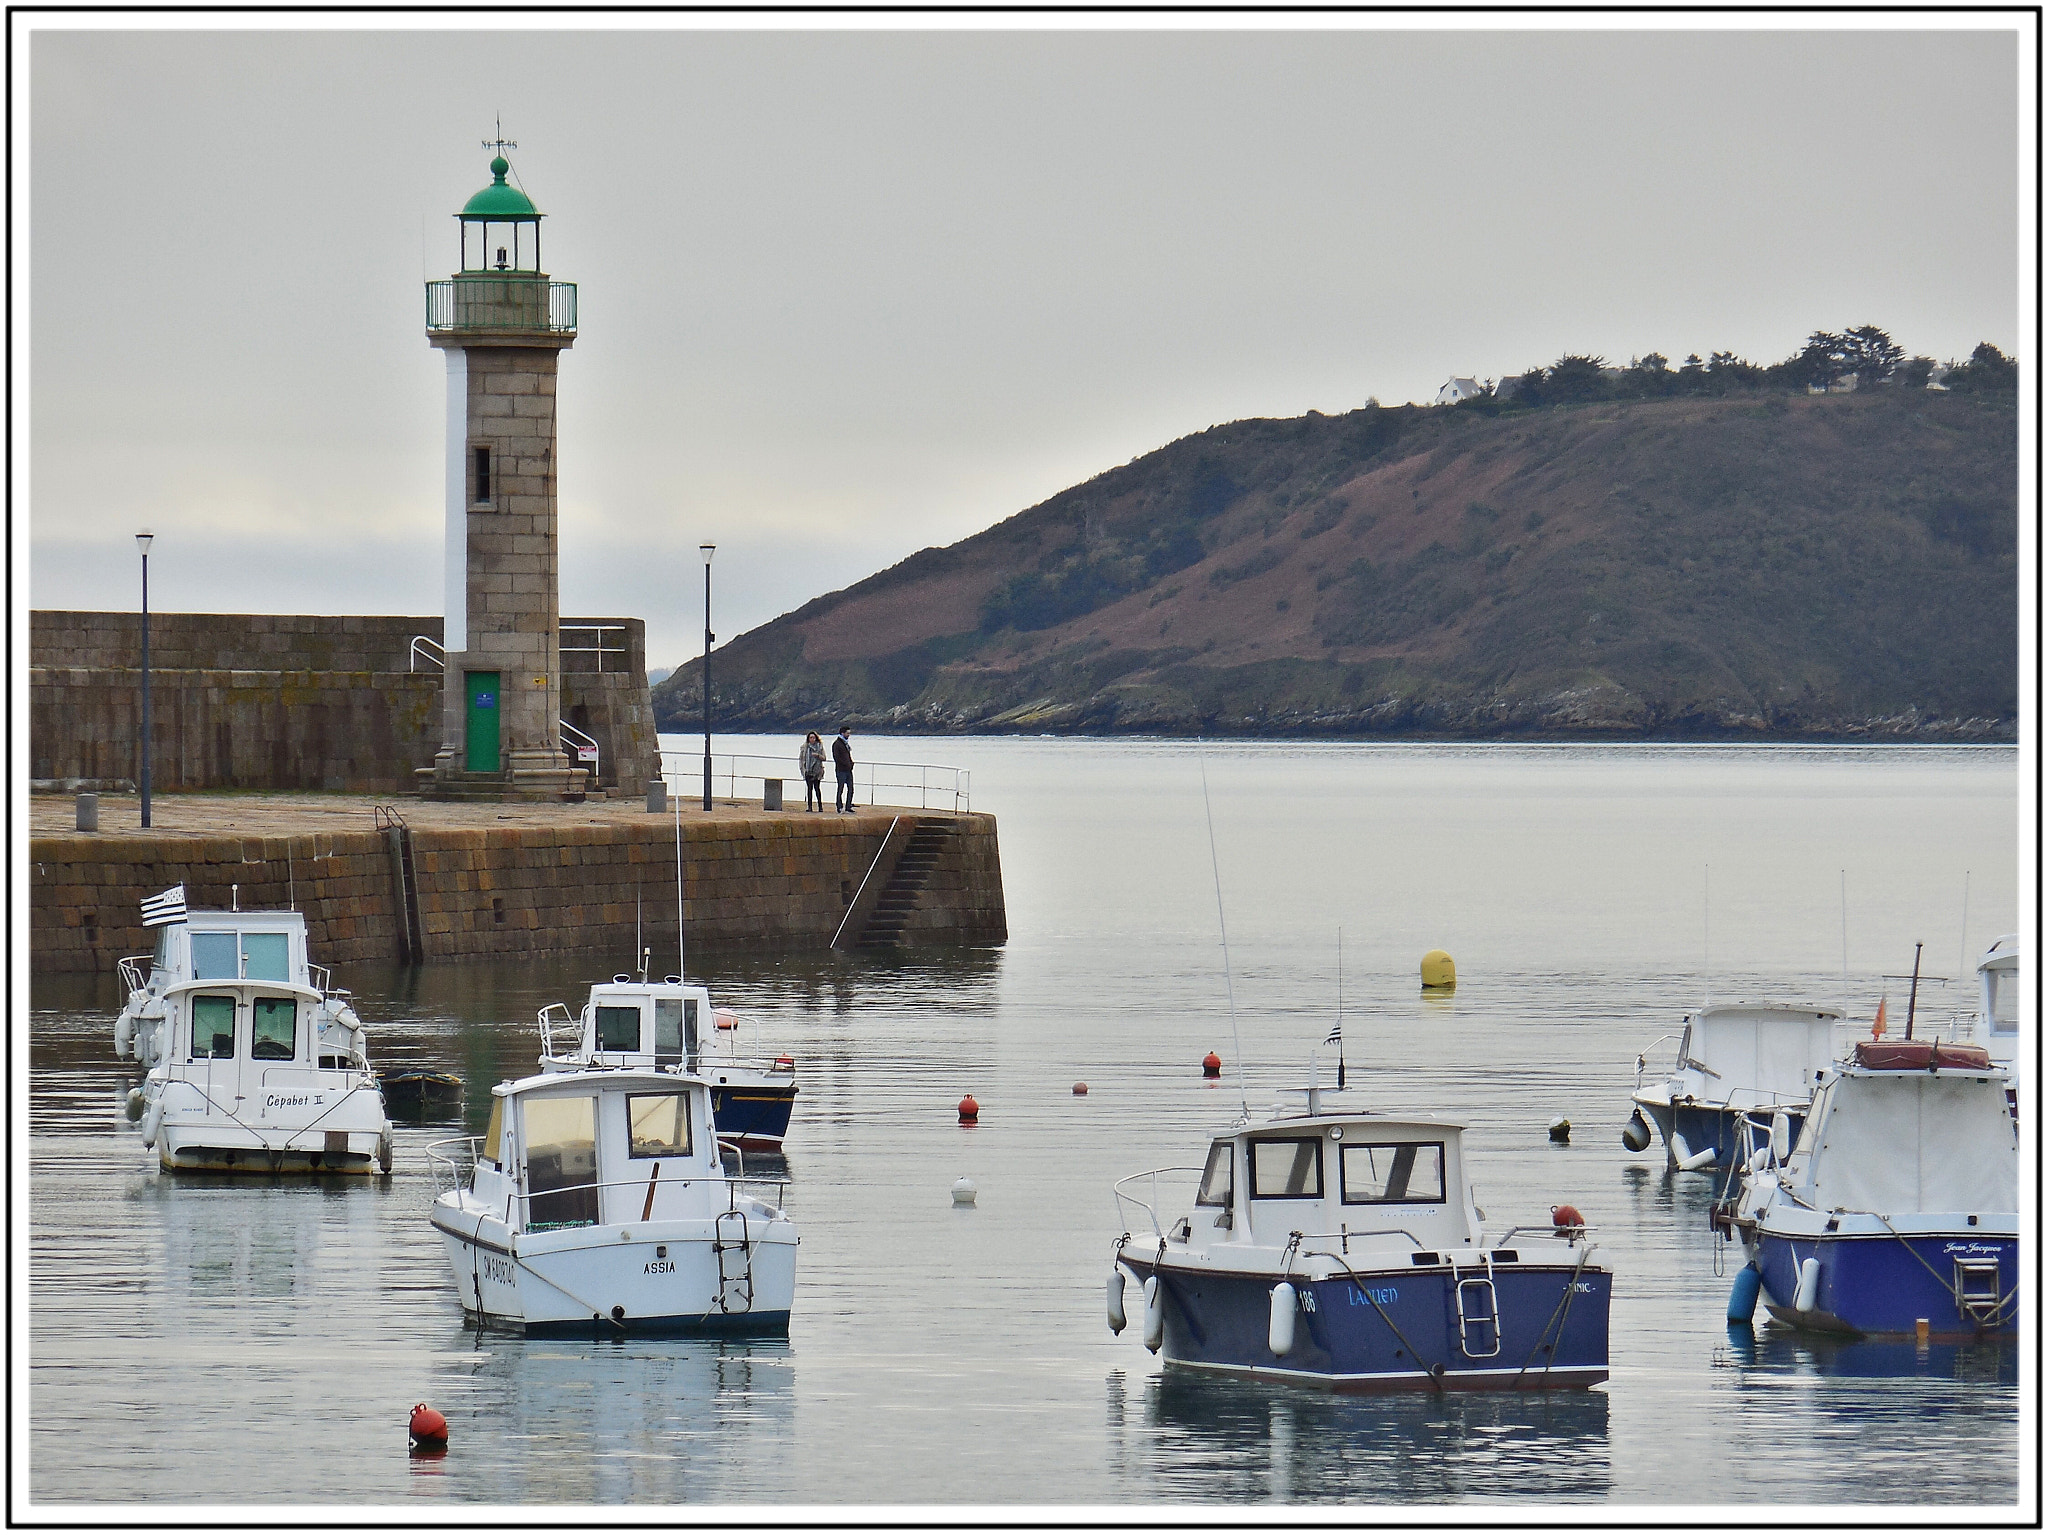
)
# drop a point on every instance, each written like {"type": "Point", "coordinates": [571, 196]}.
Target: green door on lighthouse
{"type": "Point", "coordinates": [480, 723]}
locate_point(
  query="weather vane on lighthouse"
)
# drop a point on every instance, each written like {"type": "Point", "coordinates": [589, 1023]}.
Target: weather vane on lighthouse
{"type": "Point", "coordinates": [500, 144]}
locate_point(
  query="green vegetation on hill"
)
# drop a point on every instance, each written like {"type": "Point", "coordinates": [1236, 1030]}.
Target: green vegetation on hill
{"type": "Point", "coordinates": [1697, 563]}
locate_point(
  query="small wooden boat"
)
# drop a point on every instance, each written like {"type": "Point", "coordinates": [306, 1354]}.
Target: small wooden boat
{"type": "Point", "coordinates": [415, 1090]}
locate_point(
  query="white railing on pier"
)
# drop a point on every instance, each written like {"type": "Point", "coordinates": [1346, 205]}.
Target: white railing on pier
{"type": "Point", "coordinates": [739, 776]}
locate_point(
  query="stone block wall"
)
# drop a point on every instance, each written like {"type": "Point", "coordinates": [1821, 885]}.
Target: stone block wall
{"type": "Point", "coordinates": [289, 701]}
{"type": "Point", "coordinates": [766, 882]}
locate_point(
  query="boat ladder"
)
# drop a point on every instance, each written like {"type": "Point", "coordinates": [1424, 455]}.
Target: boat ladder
{"type": "Point", "coordinates": [1478, 1316]}
{"type": "Point", "coordinates": [1976, 1289]}
{"type": "Point", "coordinates": [735, 1262]}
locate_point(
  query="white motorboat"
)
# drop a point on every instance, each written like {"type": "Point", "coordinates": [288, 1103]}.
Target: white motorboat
{"type": "Point", "coordinates": [596, 1202]}
{"type": "Point", "coordinates": [254, 1061]}
{"type": "Point", "coordinates": [1996, 1023]}
{"type": "Point", "coordinates": [1336, 1247]}
{"type": "Point", "coordinates": [671, 1024]}
{"type": "Point", "coordinates": [1732, 1060]}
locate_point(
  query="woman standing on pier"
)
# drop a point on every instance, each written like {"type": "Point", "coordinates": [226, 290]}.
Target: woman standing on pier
{"type": "Point", "coordinates": [811, 763]}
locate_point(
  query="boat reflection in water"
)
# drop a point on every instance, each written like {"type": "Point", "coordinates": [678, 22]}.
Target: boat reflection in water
{"type": "Point", "coordinates": [1196, 1432]}
{"type": "Point", "coordinates": [625, 1420]}
{"type": "Point", "coordinates": [1781, 1351]}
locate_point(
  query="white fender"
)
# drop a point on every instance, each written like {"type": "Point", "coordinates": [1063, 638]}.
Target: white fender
{"type": "Point", "coordinates": [1280, 1320]}
{"type": "Point", "coordinates": [124, 1034]}
{"type": "Point", "coordinates": [1155, 1314]}
{"type": "Point", "coordinates": [152, 1121]}
{"type": "Point", "coordinates": [1116, 1299]}
{"type": "Point", "coordinates": [1808, 1293]}
{"type": "Point", "coordinates": [1781, 1135]}
{"type": "Point", "coordinates": [1688, 1160]}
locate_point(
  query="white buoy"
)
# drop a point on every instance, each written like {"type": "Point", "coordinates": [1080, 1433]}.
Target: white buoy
{"type": "Point", "coordinates": [964, 1191]}
{"type": "Point", "coordinates": [1116, 1300]}
{"type": "Point", "coordinates": [1280, 1322]}
{"type": "Point", "coordinates": [1807, 1296]}
{"type": "Point", "coordinates": [1155, 1314]}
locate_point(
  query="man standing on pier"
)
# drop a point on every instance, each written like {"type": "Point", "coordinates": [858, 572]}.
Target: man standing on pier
{"type": "Point", "coordinates": [842, 765]}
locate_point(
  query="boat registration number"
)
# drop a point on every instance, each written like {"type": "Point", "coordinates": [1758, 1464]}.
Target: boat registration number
{"type": "Point", "coordinates": [497, 1270]}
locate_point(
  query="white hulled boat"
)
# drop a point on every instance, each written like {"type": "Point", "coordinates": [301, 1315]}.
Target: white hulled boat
{"type": "Point", "coordinates": [597, 1202]}
{"type": "Point", "coordinates": [254, 1061]}
{"type": "Point", "coordinates": [669, 1024]}
{"type": "Point", "coordinates": [1732, 1061]}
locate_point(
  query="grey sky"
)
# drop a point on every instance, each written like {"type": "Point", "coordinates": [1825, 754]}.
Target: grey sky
{"type": "Point", "coordinates": [844, 295]}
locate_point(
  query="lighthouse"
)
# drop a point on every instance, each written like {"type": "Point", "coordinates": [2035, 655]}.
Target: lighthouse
{"type": "Point", "coordinates": [502, 324]}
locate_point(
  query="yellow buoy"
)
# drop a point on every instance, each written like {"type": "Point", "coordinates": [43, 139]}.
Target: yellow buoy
{"type": "Point", "coordinates": [1439, 971]}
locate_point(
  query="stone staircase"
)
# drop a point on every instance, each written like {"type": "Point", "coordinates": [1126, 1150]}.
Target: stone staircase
{"type": "Point", "coordinates": [928, 843]}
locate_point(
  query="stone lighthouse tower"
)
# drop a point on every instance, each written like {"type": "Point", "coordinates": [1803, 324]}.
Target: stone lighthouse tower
{"type": "Point", "coordinates": [502, 325]}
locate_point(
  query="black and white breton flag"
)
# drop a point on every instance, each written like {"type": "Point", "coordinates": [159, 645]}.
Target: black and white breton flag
{"type": "Point", "coordinates": [162, 910]}
{"type": "Point", "coordinates": [1336, 1035]}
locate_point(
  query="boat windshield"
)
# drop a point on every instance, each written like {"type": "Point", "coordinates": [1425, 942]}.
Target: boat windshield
{"type": "Point", "coordinates": [658, 1124]}
{"type": "Point", "coordinates": [213, 1028]}
{"type": "Point", "coordinates": [274, 1029]}
{"type": "Point", "coordinates": [1216, 1179]}
{"type": "Point", "coordinates": [618, 1028]}
{"type": "Point", "coordinates": [1407, 1173]}
{"type": "Point", "coordinates": [1287, 1169]}
{"type": "Point", "coordinates": [561, 1161]}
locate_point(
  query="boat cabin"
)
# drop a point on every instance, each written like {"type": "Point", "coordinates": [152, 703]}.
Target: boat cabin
{"type": "Point", "coordinates": [272, 1038]}
{"type": "Point", "coordinates": [1751, 1056]}
{"type": "Point", "coordinates": [587, 1148]}
{"type": "Point", "coordinates": [1908, 1126]}
{"type": "Point", "coordinates": [633, 1023]}
{"type": "Point", "coordinates": [1342, 1176]}
{"type": "Point", "coordinates": [1998, 1006]}
{"type": "Point", "coordinates": [232, 946]}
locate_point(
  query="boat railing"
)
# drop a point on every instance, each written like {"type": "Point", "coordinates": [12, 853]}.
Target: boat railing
{"type": "Point", "coordinates": [1346, 1237]}
{"type": "Point", "coordinates": [546, 1021]}
{"type": "Point", "coordinates": [1643, 1057]}
{"type": "Point", "coordinates": [1126, 1201]}
{"type": "Point", "coordinates": [452, 1163]}
{"type": "Point", "coordinates": [1571, 1234]}
{"type": "Point", "coordinates": [736, 1187]}
{"type": "Point", "coordinates": [135, 970]}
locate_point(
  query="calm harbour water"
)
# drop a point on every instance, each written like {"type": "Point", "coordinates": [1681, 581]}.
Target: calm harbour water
{"type": "Point", "coordinates": [215, 1342]}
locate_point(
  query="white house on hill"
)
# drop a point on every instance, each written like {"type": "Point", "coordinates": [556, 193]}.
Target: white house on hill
{"type": "Point", "coordinates": [1459, 389]}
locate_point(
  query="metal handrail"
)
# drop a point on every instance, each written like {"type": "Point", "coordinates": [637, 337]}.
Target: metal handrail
{"type": "Point", "coordinates": [425, 648]}
{"type": "Point", "coordinates": [583, 740]}
{"type": "Point", "coordinates": [547, 1037]}
{"type": "Point", "coordinates": [132, 974]}
{"type": "Point", "coordinates": [499, 301]}
{"type": "Point", "coordinates": [460, 1172]}
{"type": "Point", "coordinates": [600, 649]}
{"type": "Point", "coordinates": [1117, 1192]}
{"type": "Point", "coordinates": [934, 780]}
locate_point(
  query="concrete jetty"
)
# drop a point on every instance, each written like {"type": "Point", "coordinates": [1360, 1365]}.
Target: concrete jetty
{"type": "Point", "coordinates": [416, 880]}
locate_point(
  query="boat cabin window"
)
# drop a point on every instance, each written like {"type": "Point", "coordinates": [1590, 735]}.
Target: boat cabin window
{"type": "Point", "coordinates": [274, 1029]}
{"type": "Point", "coordinates": [2005, 1000]}
{"type": "Point", "coordinates": [216, 956]}
{"type": "Point", "coordinates": [1289, 1169]}
{"type": "Point", "coordinates": [618, 1028]}
{"type": "Point", "coordinates": [658, 1124]}
{"type": "Point", "coordinates": [213, 1028]}
{"type": "Point", "coordinates": [494, 1134]}
{"type": "Point", "coordinates": [1216, 1177]}
{"type": "Point", "coordinates": [1409, 1173]}
{"type": "Point", "coordinates": [561, 1162]}
{"type": "Point", "coordinates": [266, 957]}
{"type": "Point", "coordinates": [672, 1042]}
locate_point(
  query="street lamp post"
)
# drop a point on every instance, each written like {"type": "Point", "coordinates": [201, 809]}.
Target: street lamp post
{"type": "Point", "coordinates": [707, 550]}
{"type": "Point", "coordinates": [142, 541]}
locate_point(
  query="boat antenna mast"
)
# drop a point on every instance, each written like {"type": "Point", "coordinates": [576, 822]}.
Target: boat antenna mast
{"type": "Point", "coordinates": [1337, 1033]}
{"type": "Point", "coordinates": [1229, 992]}
{"type": "Point", "coordinates": [680, 972]}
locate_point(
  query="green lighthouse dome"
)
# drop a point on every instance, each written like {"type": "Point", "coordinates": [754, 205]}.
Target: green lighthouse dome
{"type": "Point", "coordinates": [500, 200]}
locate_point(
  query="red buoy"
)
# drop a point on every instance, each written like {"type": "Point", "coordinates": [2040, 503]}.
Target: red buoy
{"type": "Point", "coordinates": [970, 1111]}
{"type": "Point", "coordinates": [1566, 1217]}
{"type": "Point", "coordinates": [1080, 1089]}
{"type": "Point", "coordinates": [428, 1426]}
{"type": "Point", "coordinates": [1212, 1065]}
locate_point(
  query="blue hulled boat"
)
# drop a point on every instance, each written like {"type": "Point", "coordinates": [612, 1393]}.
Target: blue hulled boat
{"type": "Point", "coordinates": [1343, 1249]}
{"type": "Point", "coordinates": [1733, 1060]}
{"type": "Point", "coordinates": [672, 1025]}
{"type": "Point", "coordinates": [1896, 1211]}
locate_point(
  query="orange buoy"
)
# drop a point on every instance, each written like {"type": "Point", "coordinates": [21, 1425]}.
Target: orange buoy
{"type": "Point", "coordinates": [1566, 1217]}
{"type": "Point", "coordinates": [428, 1426]}
{"type": "Point", "coordinates": [970, 1111]}
{"type": "Point", "coordinates": [1080, 1089]}
{"type": "Point", "coordinates": [1212, 1065]}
